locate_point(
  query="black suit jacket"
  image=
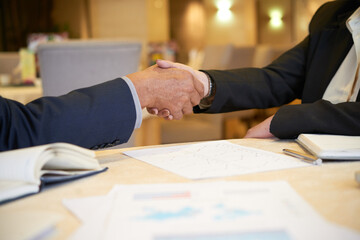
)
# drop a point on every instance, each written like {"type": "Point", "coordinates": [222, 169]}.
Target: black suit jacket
{"type": "Point", "coordinates": [95, 117]}
{"type": "Point", "coordinates": [303, 72]}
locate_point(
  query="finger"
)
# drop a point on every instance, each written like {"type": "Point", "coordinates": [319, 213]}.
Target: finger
{"type": "Point", "coordinates": [195, 99]}
{"type": "Point", "coordinates": [153, 111]}
{"type": "Point", "coordinates": [187, 109]}
{"type": "Point", "coordinates": [164, 64]}
{"type": "Point", "coordinates": [170, 117]}
{"type": "Point", "coordinates": [177, 115]}
{"type": "Point", "coordinates": [164, 113]}
{"type": "Point", "coordinates": [169, 64]}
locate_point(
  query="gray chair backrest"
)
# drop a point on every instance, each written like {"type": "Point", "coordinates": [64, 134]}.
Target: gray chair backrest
{"type": "Point", "coordinates": [71, 65]}
{"type": "Point", "coordinates": [217, 56]}
{"type": "Point", "coordinates": [241, 57]}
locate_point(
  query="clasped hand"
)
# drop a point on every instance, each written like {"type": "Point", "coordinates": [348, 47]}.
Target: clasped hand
{"type": "Point", "coordinates": [168, 88]}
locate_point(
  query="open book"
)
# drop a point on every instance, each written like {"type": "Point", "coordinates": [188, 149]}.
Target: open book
{"type": "Point", "coordinates": [23, 171]}
{"type": "Point", "coordinates": [335, 147]}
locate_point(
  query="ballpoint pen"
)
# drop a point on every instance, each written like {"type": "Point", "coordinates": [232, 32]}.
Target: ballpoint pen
{"type": "Point", "coordinates": [303, 156]}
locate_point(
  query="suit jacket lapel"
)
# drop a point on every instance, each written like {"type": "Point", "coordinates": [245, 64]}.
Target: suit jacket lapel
{"type": "Point", "coordinates": [325, 63]}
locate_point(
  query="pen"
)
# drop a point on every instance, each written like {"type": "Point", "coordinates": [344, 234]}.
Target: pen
{"type": "Point", "coordinates": [303, 156]}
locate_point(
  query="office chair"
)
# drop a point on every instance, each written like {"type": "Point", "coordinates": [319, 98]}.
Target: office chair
{"type": "Point", "coordinates": [67, 66]}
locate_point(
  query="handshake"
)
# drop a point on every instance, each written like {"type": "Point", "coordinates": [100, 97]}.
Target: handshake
{"type": "Point", "coordinates": [169, 89]}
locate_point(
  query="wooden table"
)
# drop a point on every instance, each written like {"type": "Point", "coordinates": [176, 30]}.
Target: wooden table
{"type": "Point", "coordinates": [330, 188]}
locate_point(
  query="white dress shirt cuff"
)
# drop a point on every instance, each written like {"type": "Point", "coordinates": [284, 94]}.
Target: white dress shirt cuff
{"type": "Point", "coordinates": [136, 102]}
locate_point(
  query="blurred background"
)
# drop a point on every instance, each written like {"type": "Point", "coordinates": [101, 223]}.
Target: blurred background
{"type": "Point", "coordinates": [205, 34]}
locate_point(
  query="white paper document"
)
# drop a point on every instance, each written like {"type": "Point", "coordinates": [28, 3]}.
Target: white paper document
{"type": "Point", "coordinates": [214, 159]}
{"type": "Point", "coordinates": [199, 211]}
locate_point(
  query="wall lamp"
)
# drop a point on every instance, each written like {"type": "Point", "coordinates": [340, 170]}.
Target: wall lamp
{"type": "Point", "coordinates": [224, 13]}
{"type": "Point", "coordinates": [276, 21]}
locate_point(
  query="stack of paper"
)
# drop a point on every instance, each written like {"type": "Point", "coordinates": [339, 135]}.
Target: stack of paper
{"type": "Point", "coordinates": [198, 211]}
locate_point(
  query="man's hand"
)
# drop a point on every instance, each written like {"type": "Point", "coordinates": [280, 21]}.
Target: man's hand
{"type": "Point", "coordinates": [262, 130]}
{"type": "Point", "coordinates": [165, 113]}
{"type": "Point", "coordinates": [173, 89]}
{"type": "Point", "coordinates": [196, 74]}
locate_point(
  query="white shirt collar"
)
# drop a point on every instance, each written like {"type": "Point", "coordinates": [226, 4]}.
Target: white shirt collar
{"type": "Point", "coordinates": [340, 86]}
{"type": "Point", "coordinates": [353, 24]}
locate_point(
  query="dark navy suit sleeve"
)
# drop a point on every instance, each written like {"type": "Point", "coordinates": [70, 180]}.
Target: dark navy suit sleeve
{"type": "Point", "coordinates": [99, 116]}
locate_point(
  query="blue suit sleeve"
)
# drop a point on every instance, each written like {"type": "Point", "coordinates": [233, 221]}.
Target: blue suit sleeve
{"type": "Point", "coordinates": [100, 116]}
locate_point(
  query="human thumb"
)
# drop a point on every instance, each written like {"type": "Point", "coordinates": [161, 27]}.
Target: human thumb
{"type": "Point", "coordinates": [165, 64]}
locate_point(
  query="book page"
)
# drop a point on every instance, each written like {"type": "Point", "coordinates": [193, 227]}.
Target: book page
{"type": "Point", "coordinates": [21, 170]}
{"type": "Point", "coordinates": [214, 159]}
{"type": "Point", "coordinates": [21, 164]}
{"type": "Point", "coordinates": [70, 161]}
{"type": "Point", "coordinates": [14, 189]}
{"type": "Point", "coordinates": [25, 164]}
{"type": "Point", "coordinates": [68, 156]}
